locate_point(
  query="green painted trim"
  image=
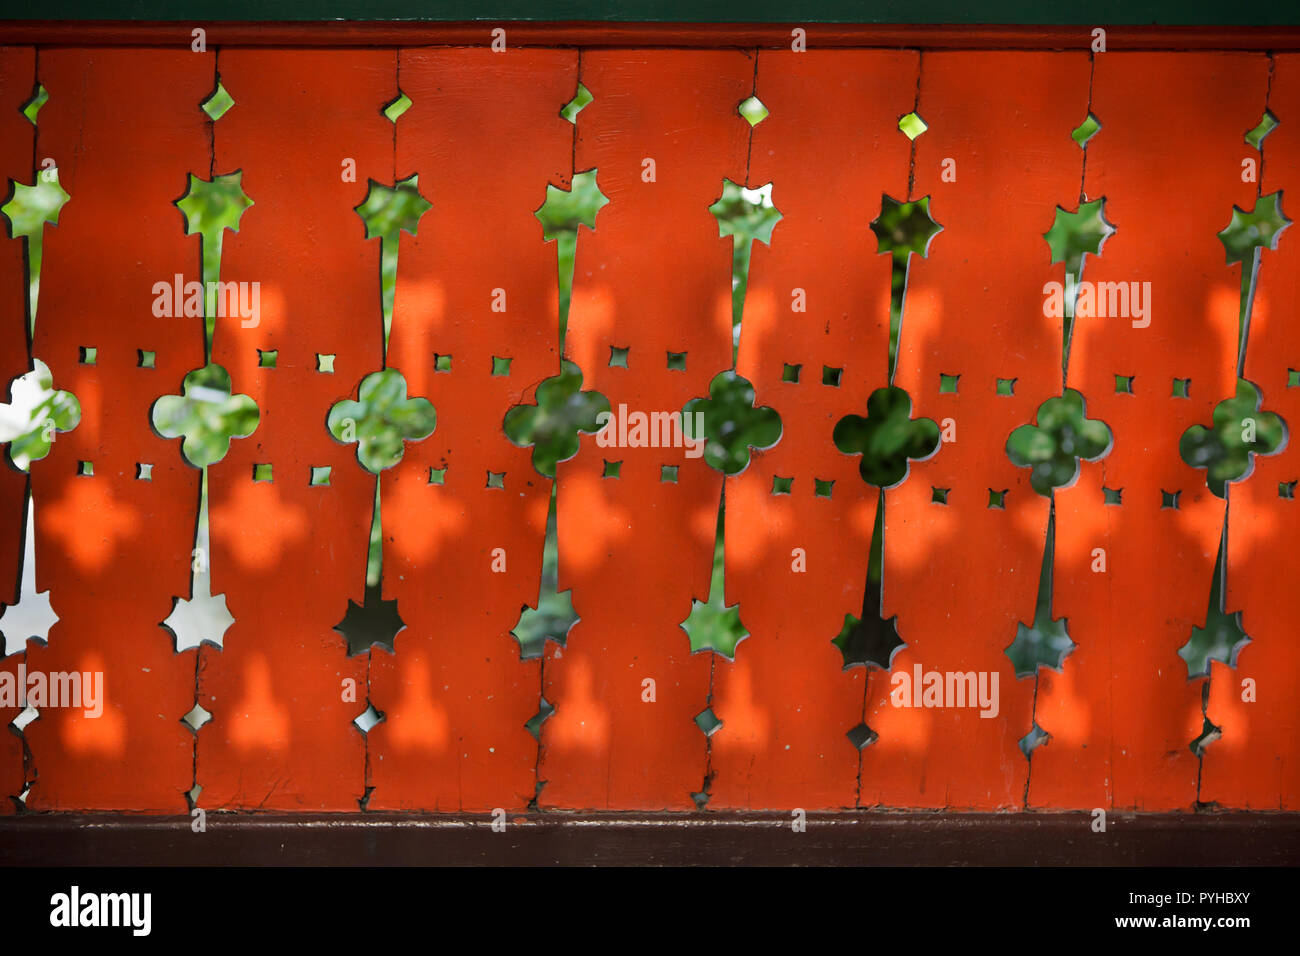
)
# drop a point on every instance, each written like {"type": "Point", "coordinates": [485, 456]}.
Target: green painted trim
{"type": "Point", "coordinates": [1029, 12]}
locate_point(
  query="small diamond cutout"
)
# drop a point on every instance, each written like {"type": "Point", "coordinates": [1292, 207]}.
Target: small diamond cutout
{"type": "Point", "coordinates": [708, 722]}
{"type": "Point", "coordinates": [1031, 741]}
{"type": "Point", "coordinates": [1085, 131]}
{"type": "Point", "coordinates": [534, 724]}
{"type": "Point", "coordinates": [862, 736]}
{"type": "Point", "coordinates": [218, 103]}
{"type": "Point", "coordinates": [1267, 124]}
{"type": "Point", "coordinates": [369, 718]}
{"type": "Point", "coordinates": [571, 109]}
{"type": "Point", "coordinates": [753, 111]}
{"type": "Point", "coordinates": [397, 107]}
{"type": "Point", "coordinates": [196, 718]}
{"type": "Point", "coordinates": [25, 717]}
{"type": "Point", "coordinates": [912, 125]}
{"type": "Point", "coordinates": [33, 106]}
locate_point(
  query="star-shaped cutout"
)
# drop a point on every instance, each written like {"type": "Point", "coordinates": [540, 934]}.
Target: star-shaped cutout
{"type": "Point", "coordinates": [387, 210]}
{"type": "Point", "coordinates": [28, 620]}
{"type": "Point", "coordinates": [376, 622]}
{"type": "Point", "coordinates": [1261, 228]}
{"type": "Point", "coordinates": [31, 207]}
{"type": "Point", "coordinates": [871, 641]}
{"type": "Point", "coordinates": [1077, 234]}
{"type": "Point", "coordinates": [212, 206]}
{"type": "Point", "coordinates": [1045, 644]}
{"type": "Point", "coordinates": [1221, 640]}
{"type": "Point", "coordinates": [746, 214]}
{"type": "Point", "coordinates": [905, 228]}
{"type": "Point", "coordinates": [551, 620]}
{"type": "Point", "coordinates": [714, 627]}
{"type": "Point", "coordinates": [564, 210]}
{"type": "Point", "coordinates": [202, 619]}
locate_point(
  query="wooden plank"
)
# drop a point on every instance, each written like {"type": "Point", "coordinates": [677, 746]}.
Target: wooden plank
{"type": "Point", "coordinates": [654, 277]}
{"type": "Point", "coordinates": [17, 137]}
{"type": "Point", "coordinates": [289, 555]}
{"type": "Point", "coordinates": [456, 694]}
{"type": "Point", "coordinates": [1256, 763]}
{"type": "Point", "coordinates": [922, 838]}
{"type": "Point", "coordinates": [124, 128]}
{"type": "Point", "coordinates": [961, 576]}
{"type": "Point", "coordinates": [1168, 160]}
{"type": "Point", "coordinates": [786, 701]}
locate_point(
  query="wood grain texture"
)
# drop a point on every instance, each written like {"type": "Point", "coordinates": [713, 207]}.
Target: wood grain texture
{"type": "Point", "coordinates": [124, 128]}
{"type": "Point", "coordinates": [654, 277]}
{"type": "Point", "coordinates": [1168, 163]}
{"type": "Point", "coordinates": [289, 555]}
{"type": "Point", "coordinates": [961, 576]}
{"type": "Point", "coordinates": [17, 137]}
{"type": "Point", "coordinates": [786, 701]}
{"type": "Point", "coordinates": [1256, 764]}
{"type": "Point", "coordinates": [457, 694]}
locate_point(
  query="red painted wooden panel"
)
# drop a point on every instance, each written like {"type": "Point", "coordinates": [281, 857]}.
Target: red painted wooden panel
{"type": "Point", "coordinates": [962, 576]}
{"type": "Point", "coordinates": [785, 701]}
{"type": "Point", "coordinates": [1168, 160]}
{"type": "Point", "coordinates": [456, 694]}
{"type": "Point", "coordinates": [289, 555]}
{"type": "Point", "coordinates": [17, 78]}
{"type": "Point", "coordinates": [654, 277]}
{"type": "Point", "coordinates": [1256, 763]}
{"type": "Point", "coordinates": [124, 128]}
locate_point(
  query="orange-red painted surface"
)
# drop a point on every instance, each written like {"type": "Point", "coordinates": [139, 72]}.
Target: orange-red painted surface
{"type": "Point", "coordinates": [654, 277]}
{"type": "Point", "coordinates": [289, 555]}
{"type": "Point", "coordinates": [1168, 161]}
{"type": "Point", "coordinates": [961, 576]}
{"type": "Point", "coordinates": [17, 79]}
{"type": "Point", "coordinates": [485, 137]}
{"type": "Point", "coordinates": [1257, 761]}
{"type": "Point", "coordinates": [113, 550]}
{"type": "Point", "coordinates": [457, 694]}
{"type": "Point", "coordinates": [776, 749]}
